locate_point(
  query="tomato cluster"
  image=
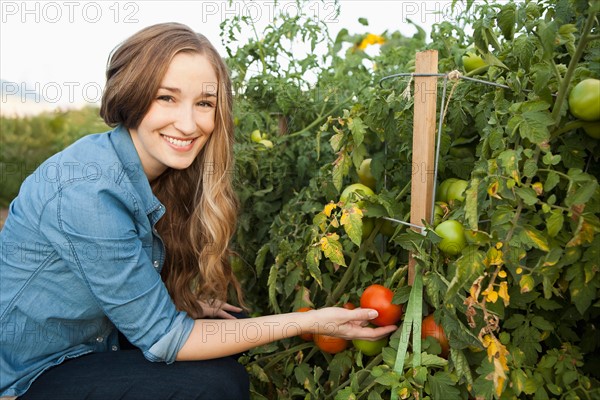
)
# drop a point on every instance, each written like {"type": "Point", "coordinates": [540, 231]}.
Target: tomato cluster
{"type": "Point", "coordinates": [376, 297]}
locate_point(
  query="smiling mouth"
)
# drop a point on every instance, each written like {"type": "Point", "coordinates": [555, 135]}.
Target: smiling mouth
{"type": "Point", "coordinates": [178, 142]}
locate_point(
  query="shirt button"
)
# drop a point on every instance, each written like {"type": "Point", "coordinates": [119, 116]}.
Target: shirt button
{"type": "Point", "coordinates": [99, 339]}
{"type": "Point", "coordinates": [114, 348]}
{"type": "Point", "coordinates": [155, 263]}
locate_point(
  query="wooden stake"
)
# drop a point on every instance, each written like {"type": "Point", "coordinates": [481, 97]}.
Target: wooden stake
{"type": "Point", "coordinates": [423, 155]}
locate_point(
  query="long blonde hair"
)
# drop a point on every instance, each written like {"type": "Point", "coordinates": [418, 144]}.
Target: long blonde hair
{"type": "Point", "coordinates": [201, 204]}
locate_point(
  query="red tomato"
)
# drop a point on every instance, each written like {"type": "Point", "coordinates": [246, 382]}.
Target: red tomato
{"type": "Point", "coordinates": [305, 336]}
{"type": "Point", "coordinates": [330, 344]}
{"type": "Point", "coordinates": [431, 329]}
{"type": "Point", "coordinates": [380, 298]}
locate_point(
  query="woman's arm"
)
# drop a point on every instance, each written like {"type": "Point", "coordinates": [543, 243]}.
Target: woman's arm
{"type": "Point", "coordinates": [220, 338]}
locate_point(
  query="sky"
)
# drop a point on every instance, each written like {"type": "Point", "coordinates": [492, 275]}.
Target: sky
{"type": "Point", "coordinates": [57, 50]}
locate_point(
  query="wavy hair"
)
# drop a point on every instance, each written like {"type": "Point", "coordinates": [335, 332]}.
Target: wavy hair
{"type": "Point", "coordinates": [201, 204]}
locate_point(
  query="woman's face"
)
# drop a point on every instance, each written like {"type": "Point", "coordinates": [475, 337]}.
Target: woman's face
{"type": "Point", "coordinates": [181, 117]}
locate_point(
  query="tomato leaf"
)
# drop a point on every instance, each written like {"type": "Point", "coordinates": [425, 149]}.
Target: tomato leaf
{"type": "Point", "coordinates": [582, 294]}
{"type": "Point", "coordinates": [583, 194]}
{"type": "Point", "coordinates": [272, 285]}
{"type": "Point", "coordinates": [443, 386]}
{"type": "Point", "coordinates": [507, 20]}
{"type": "Point", "coordinates": [554, 223]}
{"type": "Point", "coordinates": [352, 222]}
{"type": "Point", "coordinates": [527, 194]}
{"type": "Point", "coordinates": [313, 257]}
{"type": "Point", "coordinates": [358, 129]}
{"type": "Point", "coordinates": [332, 249]}
{"type": "Point", "coordinates": [463, 370]}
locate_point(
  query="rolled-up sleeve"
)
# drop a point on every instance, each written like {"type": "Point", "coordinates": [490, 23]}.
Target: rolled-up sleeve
{"type": "Point", "coordinates": [104, 249]}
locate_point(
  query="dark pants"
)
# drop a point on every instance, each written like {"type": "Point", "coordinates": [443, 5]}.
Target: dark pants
{"type": "Point", "coordinates": [126, 374]}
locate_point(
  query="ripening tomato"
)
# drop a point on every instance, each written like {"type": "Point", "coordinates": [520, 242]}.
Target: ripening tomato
{"type": "Point", "coordinates": [305, 336]}
{"type": "Point", "coordinates": [349, 306]}
{"type": "Point", "coordinates": [431, 329]}
{"type": "Point", "coordinates": [380, 298]}
{"type": "Point", "coordinates": [584, 100]}
{"type": "Point", "coordinates": [330, 344]}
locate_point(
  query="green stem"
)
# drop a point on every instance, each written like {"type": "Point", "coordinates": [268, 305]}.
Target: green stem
{"type": "Point", "coordinates": [294, 349]}
{"type": "Point", "coordinates": [282, 354]}
{"type": "Point", "coordinates": [375, 361]}
{"type": "Point", "coordinates": [566, 81]}
{"type": "Point", "coordinates": [322, 116]}
{"type": "Point", "coordinates": [567, 177]}
{"type": "Point", "coordinates": [571, 125]}
{"type": "Point", "coordinates": [333, 298]}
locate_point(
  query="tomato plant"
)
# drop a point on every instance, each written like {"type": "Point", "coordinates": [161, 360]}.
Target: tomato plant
{"type": "Point", "coordinates": [380, 298]}
{"type": "Point", "coordinates": [517, 298]}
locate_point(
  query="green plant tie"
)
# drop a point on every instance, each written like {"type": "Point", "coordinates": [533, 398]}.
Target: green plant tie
{"type": "Point", "coordinates": [412, 319]}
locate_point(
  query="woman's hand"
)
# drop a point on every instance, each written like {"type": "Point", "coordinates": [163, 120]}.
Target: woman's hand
{"type": "Point", "coordinates": [348, 324]}
{"type": "Point", "coordinates": [218, 309]}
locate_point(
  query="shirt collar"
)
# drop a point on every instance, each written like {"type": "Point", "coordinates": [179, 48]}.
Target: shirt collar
{"type": "Point", "coordinates": [133, 170]}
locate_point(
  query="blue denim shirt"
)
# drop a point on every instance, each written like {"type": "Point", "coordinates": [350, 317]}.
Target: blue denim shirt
{"type": "Point", "coordinates": [79, 258]}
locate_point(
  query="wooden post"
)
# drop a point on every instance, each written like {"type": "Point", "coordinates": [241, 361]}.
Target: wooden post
{"type": "Point", "coordinates": [423, 154]}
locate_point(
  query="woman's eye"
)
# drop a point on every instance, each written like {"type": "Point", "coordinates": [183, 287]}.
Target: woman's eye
{"type": "Point", "coordinates": [165, 98]}
{"type": "Point", "coordinates": [205, 104]}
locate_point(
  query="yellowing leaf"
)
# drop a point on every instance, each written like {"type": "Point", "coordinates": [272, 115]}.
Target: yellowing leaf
{"type": "Point", "coordinates": [494, 257]}
{"type": "Point", "coordinates": [332, 249]}
{"type": "Point", "coordinates": [538, 187]}
{"type": "Point", "coordinates": [491, 295]}
{"type": "Point", "coordinates": [539, 241]}
{"type": "Point", "coordinates": [519, 270]}
{"type": "Point", "coordinates": [583, 234]}
{"type": "Point", "coordinates": [351, 219]}
{"type": "Point", "coordinates": [493, 190]}
{"type": "Point", "coordinates": [526, 283]}
{"type": "Point", "coordinates": [329, 208]}
{"type": "Point", "coordinates": [503, 293]}
{"type": "Point", "coordinates": [370, 39]}
{"type": "Point", "coordinates": [502, 274]}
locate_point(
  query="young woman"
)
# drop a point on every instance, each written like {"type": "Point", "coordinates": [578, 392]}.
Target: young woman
{"type": "Point", "coordinates": [126, 233]}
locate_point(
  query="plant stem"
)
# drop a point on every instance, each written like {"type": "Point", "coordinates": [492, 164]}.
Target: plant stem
{"type": "Point", "coordinates": [566, 81]}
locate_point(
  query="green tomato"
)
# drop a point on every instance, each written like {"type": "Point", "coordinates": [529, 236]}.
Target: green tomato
{"type": "Point", "coordinates": [456, 191]}
{"type": "Point", "coordinates": [438, 213]}
{"type": "Point", "coordinates": [442, 190]}
{"type": "Point", "coordinates": [359, 189]}
{"type": "Point", "coordinates": [256, 136]}
{"type": "Point", "coordinates": [472, 61]}
{"type": "Point", "coordinates": [584, 100]}
{"type": "Point", "coordinates": [452, 233]}
{"type": "Point", "coordinates": [593, 130]}
{"type": "Point", "coordinates": [364, 174]}
{"type": "Point", "coordinates": [370, 348]}
{"type": "Point", "coordinates": [367, 227]}
{"type": "Point", "coordinates": [267, 143]}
